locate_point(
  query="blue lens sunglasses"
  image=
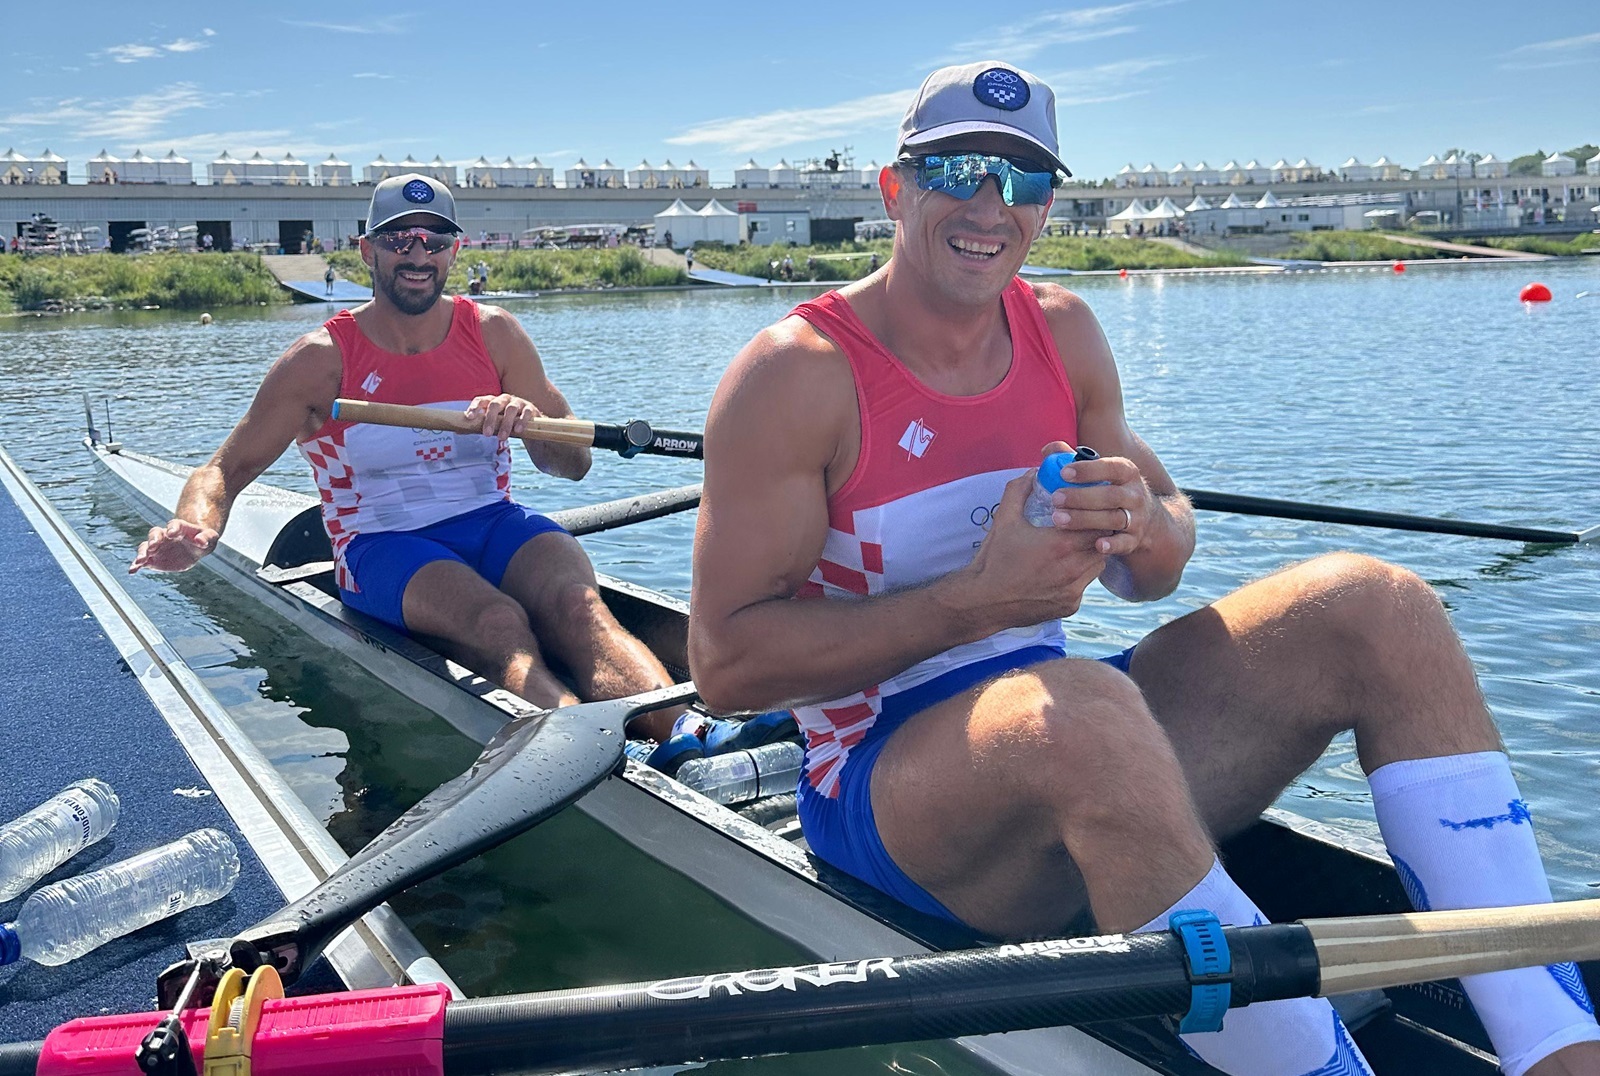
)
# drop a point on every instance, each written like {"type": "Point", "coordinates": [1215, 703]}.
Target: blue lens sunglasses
{"type": "Point", "coordinates": [961, 174]}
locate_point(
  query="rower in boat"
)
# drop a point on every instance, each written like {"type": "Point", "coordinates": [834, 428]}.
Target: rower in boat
{"type": "Point", "coordinates": [866, 560]}
{"type": "Point", "coordinates": [425, 533]}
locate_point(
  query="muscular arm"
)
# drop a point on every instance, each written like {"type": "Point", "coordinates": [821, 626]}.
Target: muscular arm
{"type": "Point", "coordinates": [294, 398]}
{"type": "Point", "coordinates": [763, 522]}
{"type": "Point", "coordinates": [522, 374]}
{"type": "Point", "coordinates": [1148, 562]}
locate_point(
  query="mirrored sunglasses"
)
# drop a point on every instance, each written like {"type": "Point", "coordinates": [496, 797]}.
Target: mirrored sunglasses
{"type": "Point", "coordinates": [961, 174]}
{"type": "Point", "coordinates": [399, 240]}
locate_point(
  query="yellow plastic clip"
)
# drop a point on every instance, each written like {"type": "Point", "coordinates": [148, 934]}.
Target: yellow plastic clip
{"type": "Point", "coordinates": [235, 1015]}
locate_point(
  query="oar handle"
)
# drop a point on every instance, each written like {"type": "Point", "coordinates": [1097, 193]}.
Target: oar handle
{"type": "Point", "coordinates": [568, 431]}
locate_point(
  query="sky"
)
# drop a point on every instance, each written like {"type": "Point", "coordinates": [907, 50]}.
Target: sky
{"type": "Point", "coordinates": [1141, 81]}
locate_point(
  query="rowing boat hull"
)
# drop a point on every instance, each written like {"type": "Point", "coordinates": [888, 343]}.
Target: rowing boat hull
{"type": "Point", "coordinates": [1292, 867]}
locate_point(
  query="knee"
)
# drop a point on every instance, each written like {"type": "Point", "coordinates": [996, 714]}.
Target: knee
{"type": "Point", "coordinates": [500, 624]}
{"type": "Point", "coordinates": [577, 602]}
{"type": "Point", "coordinates": [1098, 736]}
{"type": "Point", "coordinates": [1370, 604]}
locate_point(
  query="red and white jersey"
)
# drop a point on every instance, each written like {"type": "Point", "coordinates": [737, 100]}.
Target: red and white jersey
{"type": "Point", "coordinates": [386, 478]}
{"type": "Point", "coordinates": [931, 471]}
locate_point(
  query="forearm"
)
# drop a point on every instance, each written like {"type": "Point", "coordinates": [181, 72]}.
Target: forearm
{"type": "Point", "coordinates": [558, 460]}
{"type": "Point", "coordinates": [785, 652]}
{"type": "Point", "coordinates": [1154, 569]}
{"type": "Point", "coordinates": [206, 499]}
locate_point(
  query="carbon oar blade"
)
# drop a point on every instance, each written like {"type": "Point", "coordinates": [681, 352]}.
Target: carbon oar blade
{"type": "Point", "coordinates": [532, 769]}
{"type": "Point", "coordinates": [1360, 517]}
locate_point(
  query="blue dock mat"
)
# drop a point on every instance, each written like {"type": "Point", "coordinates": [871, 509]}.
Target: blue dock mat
{"type": "Point", "coordinates": [71, 708]}
{"type": "Point", "coordinates": [344, 291]}
{"type": "Point", "coordinates": [732, 280]}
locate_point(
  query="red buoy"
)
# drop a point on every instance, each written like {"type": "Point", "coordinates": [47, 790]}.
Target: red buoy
{"type": "Point", "coordinates": [1399, 267]}
{"type": "Point", "coordinates": [1534, 293]}
{"type": "Point", "coordinates": [1123, 274]}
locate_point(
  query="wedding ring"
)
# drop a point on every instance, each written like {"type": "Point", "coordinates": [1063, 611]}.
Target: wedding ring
{"type": "Point", "coordinates": [1127, 520]}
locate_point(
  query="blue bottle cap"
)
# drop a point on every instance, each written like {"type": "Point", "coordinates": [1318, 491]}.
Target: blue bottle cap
{"type": "Point", "coordinates": [10, 944]}
{"type": "Point", "coordinates": [1050, 470]}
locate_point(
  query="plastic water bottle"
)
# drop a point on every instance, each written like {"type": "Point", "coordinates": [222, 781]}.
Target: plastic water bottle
{"type": "Point", "coordinates": [64, 920]}
{"type": "Point", "coordinates": [739, 776]}
{"type": "Point", "coordinates": [54, 832]}
{"type": "Point", "coordinates": [1038, 508]}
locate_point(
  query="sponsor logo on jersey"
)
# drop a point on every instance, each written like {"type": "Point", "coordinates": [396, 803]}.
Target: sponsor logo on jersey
{"type": "Point", "coordinates": [916, 439]}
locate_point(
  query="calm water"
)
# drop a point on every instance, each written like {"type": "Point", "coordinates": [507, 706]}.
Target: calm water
{"type": "Point", "coordinates": [1433, 393]}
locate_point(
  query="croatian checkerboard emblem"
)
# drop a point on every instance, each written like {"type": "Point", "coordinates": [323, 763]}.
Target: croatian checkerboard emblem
{"type": "Point", "coordinates": [417, 191]}
{"type": "Point", "coordinates": [1001, 88]}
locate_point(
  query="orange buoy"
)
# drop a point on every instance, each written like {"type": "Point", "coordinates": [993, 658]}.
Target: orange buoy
{"type": "Point", "coordinates": [1399, 267]}
{"type": "Point", "coordinates": [1534, 293]}
{"type": "Point", "coordinates": [1123, 274]}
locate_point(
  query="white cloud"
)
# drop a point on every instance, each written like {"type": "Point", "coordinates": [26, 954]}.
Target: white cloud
{"type": "Point", "coordinates": [128, 54]}
{"type": "Point", "coordinates": [1026, 39]}
{"type": "Point", "coordinates": [1100, 84]}
{"type": "Point", "coordinates": [1582, 41]}
{"type": "Point", "coordinates": [370, 74]}
{"type": "Point", "coordinates": [208, 32]}
{"type": "Point", "coordinates": [769, 130]}
{"type": "Point", "coordinates": [387, 24]}
{"type": "Point", "coordinates": [130, 119]}
{"type": "Point", "coordinates": [134, 52]}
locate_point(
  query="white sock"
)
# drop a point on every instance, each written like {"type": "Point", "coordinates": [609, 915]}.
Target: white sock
{"type": "Point", "coordinates": [1461, 837]}
{"type": "Point", "coordinates": [1294, 1037]}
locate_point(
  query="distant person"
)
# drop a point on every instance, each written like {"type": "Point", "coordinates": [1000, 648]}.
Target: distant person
{"type": "Point", "coordinates": [872, 263]}
{"type": "Point", "coordinates": [327, 280]}
{"type": "Point", "coordinates": [688, 260]}
{"type": "Point", "coordinates": [205, 242]}
{"type": "Point", "coordinates": [669, 238]}
{"type": "Point", "coordinates": [788, 268]}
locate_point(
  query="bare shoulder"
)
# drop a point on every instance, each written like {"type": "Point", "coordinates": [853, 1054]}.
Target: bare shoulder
{"type": "Point", "coordinates": [1079, 339]}
{"type": "Point", "coordinates": [499, 325]}
{"type": "Point", "coordinates": [313, 360]}
{"type": "Point", "coordinates": [787, 363]}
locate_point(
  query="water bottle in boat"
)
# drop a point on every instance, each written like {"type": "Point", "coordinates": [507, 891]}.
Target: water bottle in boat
{"type": "Point", "coordinates": [67, 919]}
{"type": "Point", "coordinates": [1038, 507]}
{"type": "Point", "coordinates": [54, 832]}
{"type": "Point", "coordinates": [740, 776]}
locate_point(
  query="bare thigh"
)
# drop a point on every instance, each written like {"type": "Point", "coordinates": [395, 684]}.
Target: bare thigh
{"type": "Point", "coordinates": [1252, 689]}
{"type": "Point", "coordinates": [1017, 803]}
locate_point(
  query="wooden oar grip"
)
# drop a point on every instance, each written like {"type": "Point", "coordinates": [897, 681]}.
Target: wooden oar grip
{"type": "Point", "coordinates": [570, 431]}
{"type": "Point", "coordinates": [1368, 952]}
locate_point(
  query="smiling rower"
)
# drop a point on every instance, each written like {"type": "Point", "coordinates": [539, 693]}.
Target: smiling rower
{"type": "Point", "coordinates": [864, 559]}
{"type": "Point", "coordinates": [424, 530]}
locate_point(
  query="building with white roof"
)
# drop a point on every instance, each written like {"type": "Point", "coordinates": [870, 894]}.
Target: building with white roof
{"type": "Point", "coordinates": [1127, 176]}
{"type": "Point", "coordinates": [175, 168]}
{"type": "Point", "coordinates": [141, 168]}
{"type": "Point", "coordinates": [335, 173]}
{"type": "Point", "coordinates": [226, 169]}
{"type": "Point", "coordinates": [1355, 171]}
{"type": "Point", "coordinates": [750, 175]}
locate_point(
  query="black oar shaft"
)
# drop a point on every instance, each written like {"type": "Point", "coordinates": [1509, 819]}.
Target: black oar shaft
{"type": "Point", "coordinates": [1358, 517]}
{"type": "Point", "coordinates": [855, 1003]}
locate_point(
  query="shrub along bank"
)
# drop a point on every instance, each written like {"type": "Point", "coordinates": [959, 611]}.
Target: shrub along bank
{"type": "Point", "coordinates": [119, 281]}
{"type": "Point", "coordinates": [540, 270]}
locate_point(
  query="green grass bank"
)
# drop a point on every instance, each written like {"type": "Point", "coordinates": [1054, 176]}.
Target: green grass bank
{"type": "Point", "coordinates": [540, 270]}
{"type": "Point", "coordinates": [118, 281]}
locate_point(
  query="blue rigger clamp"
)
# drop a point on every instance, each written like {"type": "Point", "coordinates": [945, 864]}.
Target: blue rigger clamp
{"type": "Point", "coordinates": [1210, 969]}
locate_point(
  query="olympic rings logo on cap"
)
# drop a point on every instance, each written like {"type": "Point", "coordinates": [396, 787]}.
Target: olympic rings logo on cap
{"type": "Point", "coordinates": [417, 191]}
{"type": "Point", "coordinates": [1000, 87]}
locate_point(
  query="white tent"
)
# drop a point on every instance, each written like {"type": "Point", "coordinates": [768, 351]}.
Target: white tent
{"type": "Point", "coordinates": [695, 176]}
{"type": "Point", "coordinates": [50, 168]}
{"type": "Point", "coordinates": [1592, 165]}
{"type": "Point", "coordinates": [444, 173]}
{"type": "Point", "coordinates": [1203, 174]}
{"type": "Point", "coordinates": [643, 175]}
{"type": "Point", "coordinates": [539, 175]}
{"type": "Point", "coordinates": [1234, 202]}
{"type": "Point", "coordinates": [1305, 170]}
{"type": "Point", "coordinates": [1233, 174]}
{"type": "Point", "coordinates": [687, 226]}
{"type": "Point", "coordinates": [1256, 172]}
{"type": "Point", "coordinates": [260, 170]}
{"type": "Point", "coordinates": [140, 168]}
{"type": "Point", "coordinates": [1127, 176]}
{"type": "Point", "coordinates": [1135, 211]}
{"type": "Point", "coordinates": [175, 169]}
{"type": "Point", "coordinates": [1489, 167]}
{"type": "Point", "coordinates": [1178, 175]}
{"type": "Point", "coordinates": [1384, 168]}
{"type": "Point", "coordinates": [1558, 164]}
{"type": "Point", "coordinates": [870, 174]}
{"type": "Point", "coordinates": [1457, 167]}
{"type": "Point", "coordinates": [609, 175]}
{"type": "Point", "coordinates": [103, 167]}
{"type": "Point", "coordinates": [1282, 171]}
{"type": "Point", "coordinates": [1432, 168]}
{"type": "Point", "coordinates": [379, 170]}
{"type": "Point", "coordinates": [721, 224]}
{"type": "Point", "coordinates": [226, 169]}
{"type": "Point", "coordinates": [1151, 176]}
{"type": "Point", "coordinates": [1198, 205]}
{"type": "Point", "coordinates": [581, 174]}
{"type": "Point", "coordinates": [1353, 169]}
{"type": "Point", "coordinates": [293, 171]}
{"type": "Point", "coordinates": [1268, 201]}
{"type": "Point", "coordinates": [335, 173]}
{"type": "Point", "coordinates": [481, 173]}
{"type": "Point", "coordinates": [1165, 209]}
{"type": "Point", "coordinates": [783, 174]}
{"type": "Point", "coordinates": [750, 175]}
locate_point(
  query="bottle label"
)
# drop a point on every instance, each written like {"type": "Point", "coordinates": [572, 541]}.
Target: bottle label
{"type": "Point", "coordinates": [78, 808]}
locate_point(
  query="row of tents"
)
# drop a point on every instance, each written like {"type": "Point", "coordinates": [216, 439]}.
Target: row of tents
{"type": "Point", "coordinates": [712, 223]}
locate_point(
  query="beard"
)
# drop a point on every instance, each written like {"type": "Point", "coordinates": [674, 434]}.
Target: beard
{"type": "Point", "coordinates": [409, 300]}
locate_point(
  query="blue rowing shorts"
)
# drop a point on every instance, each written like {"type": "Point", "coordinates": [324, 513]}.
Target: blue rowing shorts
{"type": "Point", "coordinates": [842, 829]}
{"type": "Point", "coordinates": [484, 539]}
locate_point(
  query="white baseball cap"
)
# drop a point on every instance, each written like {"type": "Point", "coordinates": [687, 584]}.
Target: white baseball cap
{"type": "Point", "coordinates": [402, 196]}
{"type": "Point", "coordinates": [984, 96]}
